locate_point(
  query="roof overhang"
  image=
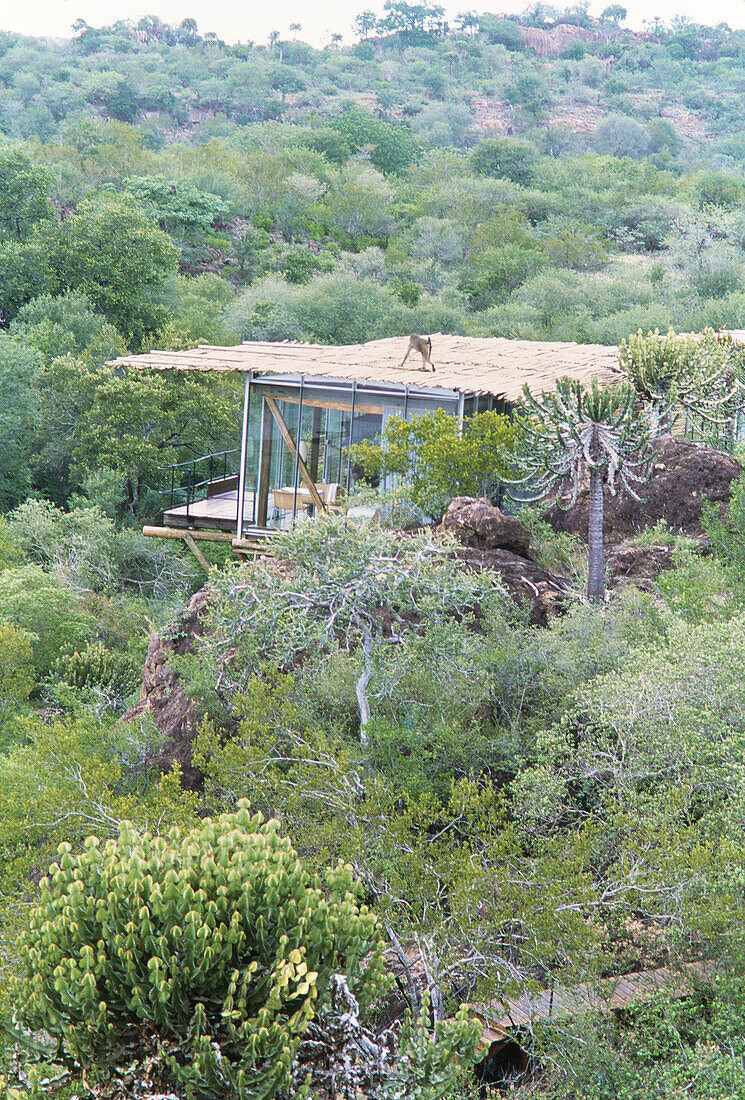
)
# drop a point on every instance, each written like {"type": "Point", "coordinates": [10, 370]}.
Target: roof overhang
{"type": "Point", "coordinates": [462, 364]}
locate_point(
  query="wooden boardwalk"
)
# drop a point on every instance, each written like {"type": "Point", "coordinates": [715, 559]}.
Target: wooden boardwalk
{"type": "Point", "coordinates": [500, 1018]}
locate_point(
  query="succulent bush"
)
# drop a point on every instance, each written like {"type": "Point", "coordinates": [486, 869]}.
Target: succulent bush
{"type": "Point", "coordinates": [208, 951]}
{"type": "Point", "coordinates": [97, 666]}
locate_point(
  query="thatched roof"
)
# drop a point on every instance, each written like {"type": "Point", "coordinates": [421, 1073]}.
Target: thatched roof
{"type": "Point", "coordinates": [466, 364]}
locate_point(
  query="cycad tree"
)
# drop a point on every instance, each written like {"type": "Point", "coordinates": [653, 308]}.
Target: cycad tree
{"type": "Point", "coordinates": [600, 434]}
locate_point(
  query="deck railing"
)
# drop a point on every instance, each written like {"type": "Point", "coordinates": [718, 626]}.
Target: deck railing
{"type": "Point", "coordinates": [190, 481]}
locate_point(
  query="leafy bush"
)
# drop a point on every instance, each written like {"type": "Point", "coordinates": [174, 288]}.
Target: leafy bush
{"type": "Point", "coordinates": [442, 462]}
{"type": "Point", "coordinates": [213, 947]}
{"type": "Point", "coordinates": [16, 669]}
{"type": "Point", "coordinates": [507, 158]}
{"type": "Point", "coordinates": [19, 368]}
{"type": "Point", "coordinates": [84, 550]}
{"type": "Point", "coordinates": [728, 534]}
{"type": "Point", "coordinates": [67, 324]}
{"type": "Point", "coordinates": [56, 618]}
{"type": "Point", "coordinates": [97, 666]}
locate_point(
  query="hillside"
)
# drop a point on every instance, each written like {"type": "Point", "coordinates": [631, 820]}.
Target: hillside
{"type": "Point", "coordinates": [553, 176]}
{"type": "Point", "coordinates": [494, 759]}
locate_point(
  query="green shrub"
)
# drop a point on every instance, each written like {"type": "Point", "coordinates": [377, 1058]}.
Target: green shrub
{"type": "Point", "coordinates": [35, 602]}
{"type": "Point", "coordinates": [698, 589]}
{"type": "Point", "coordinates": [97, 666]}
{"type": "Point", "coordinates": [213, 946]}
{"type": "Point", "coordinates": [441, 461]}
{"type": "Point", "coordinates": [16, 670]}
{"type": "Point", "coordinates": [728, 535]}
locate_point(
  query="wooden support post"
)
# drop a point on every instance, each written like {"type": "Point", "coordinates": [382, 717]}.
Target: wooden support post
{"type": "Point", "coordinates": [315, 444]}
{"type": "Point", "coordinates": [265, 464]}
{"type": "Point", "coordinates": [303, 469]}
{"type": "Point", "coordinates": [188, 539]}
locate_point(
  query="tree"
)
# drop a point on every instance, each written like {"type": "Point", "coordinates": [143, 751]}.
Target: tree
{"type": "Point", "coordinates": [468, 22]}
{"type": "Point", "coordinates": [415, 24]}
{"type": "Point", "coordinates": [112, 251]}
{"type": "Point", "coordinates": [286, 81]}
{"type": "Point", "coordinates": [614, 13]}
{"type": "Point", "coordinates": [365, 23]}
{"type": "Point", "coordinates": [16, 670]}
{"type": "Point", "coordinates": [621, 136]}
{"type": "Point", "coordinates": [182, 210]}
{"type": "Point", "coordinates": [392, 147]}
{"type": "Point", "coordinates": [505, 158]}
{"type": "Point", "coordinates": [53, 616]}
{"type": "Point", "coordinates": [67, 324]}
{"type": "Point", "coordinates": [132, 422]}
{"type": "Point", "coordinates": [24, 194]}
{"type": "Point", "coordinates": [19, 367]}
{"type": "Point", "coordinates": [352, 589]}
{"type": "Point", "coordinates": [600, 432]}
{"type": "Point", "coordinates": [530, 93]}
{"type": "Point", "coordinates": [187, 32]}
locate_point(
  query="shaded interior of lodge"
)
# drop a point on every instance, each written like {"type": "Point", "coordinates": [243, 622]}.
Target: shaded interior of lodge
{"type": "Point", "coordinates": [305, 404]}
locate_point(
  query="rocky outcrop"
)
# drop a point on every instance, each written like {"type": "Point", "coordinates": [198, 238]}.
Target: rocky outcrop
{"type": "Point", "coordinates": [490, 540]}
{"type": "Point", "coordinates": [543, 592]}
{"type": "Point", "coordinates": [640, 565]}
{"type": "Point", "coordinates": [477, 523]}
{"type": "Point", "coordinates": [163, 699]}
{"type": "Point", "coordinates": [685, 476]}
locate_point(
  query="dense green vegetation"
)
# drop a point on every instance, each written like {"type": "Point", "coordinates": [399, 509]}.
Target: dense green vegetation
{"type": "Point", "coordinates": [502, 806]}
{"type": "Point", "coordinates": [516, 177]}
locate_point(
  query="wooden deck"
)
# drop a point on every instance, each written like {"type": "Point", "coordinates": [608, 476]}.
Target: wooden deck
{"type": "Point", "coordinates": [220, 512]}
{"type": "Point", "coordinates": [217, 513]}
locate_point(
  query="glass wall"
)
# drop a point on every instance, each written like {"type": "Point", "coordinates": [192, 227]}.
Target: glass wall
{"type": "Point", "coordinates": [325, 416]}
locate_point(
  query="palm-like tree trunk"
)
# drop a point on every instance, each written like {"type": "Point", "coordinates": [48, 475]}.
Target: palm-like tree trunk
{"type": "Point", "coordinates": [595, 560]}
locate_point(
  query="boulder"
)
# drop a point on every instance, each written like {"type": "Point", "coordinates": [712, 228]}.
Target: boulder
{"type": "Point", "coordinates": [481, 525]}
{"type": "Point", "coordinates": [685, 476]}
{"type": "Point", "coordinates": [491, 540]}
{"type": "Point", "coordinates": [545, 593]}
{"type": "Point", "coordinates": [638, 564]}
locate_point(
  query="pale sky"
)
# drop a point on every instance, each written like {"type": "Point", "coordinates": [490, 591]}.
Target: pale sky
{"type": "Point", "coordinates": [244, 20]}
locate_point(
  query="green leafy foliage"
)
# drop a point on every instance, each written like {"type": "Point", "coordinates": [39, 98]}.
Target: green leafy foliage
{"type": "Point", "coordinates": [112, 252]}
{"type": "Point", "coordinates": [84, 549]}
{"type": "Point", "coordinates": [439, 460]}
{"type": "Point", "coordinates": [727, 533]}
{"type": "Point", "coordinates": [506, 158]}
{"type": "Point", "coordinates": [67, 324]}
{"type": "Point", "coordinates": [19, 367]}
{"type": "Point", "coordinates": [16, 670]}
{"type": "Point", "coordinates": [213, 947]}
{"type": "Point", "coordinates": [55, 618]}
{"type": "Point", "coordinates": [354, 588]}
{"type": "Point", "coordinates": [24, 193]}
